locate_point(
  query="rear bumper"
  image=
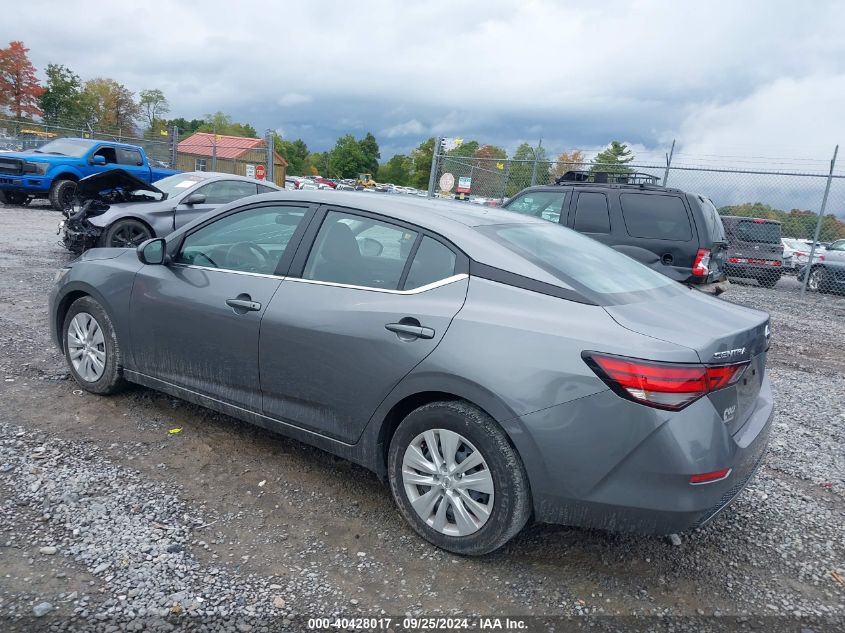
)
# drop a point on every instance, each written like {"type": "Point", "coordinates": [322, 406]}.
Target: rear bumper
{"type": "Point", "coordinates": [611, 464]}
{"type": "Point", "coordinates": [753, 271]}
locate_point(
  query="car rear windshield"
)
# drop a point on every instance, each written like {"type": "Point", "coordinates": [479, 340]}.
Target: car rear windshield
{"type": "Point", "coordinates": [597, 271]}
{"type": "Point", "coordinates": [758, 231]}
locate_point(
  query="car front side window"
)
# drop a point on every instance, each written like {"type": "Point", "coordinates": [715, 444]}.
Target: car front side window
{"type": "Point", "coordinates": [539, 204]}
{"type": "Point", "coordinates": [251, 241]}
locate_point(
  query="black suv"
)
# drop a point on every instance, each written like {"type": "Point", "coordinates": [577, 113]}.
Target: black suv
{"type": "Point", "coordinates": [676, 233]}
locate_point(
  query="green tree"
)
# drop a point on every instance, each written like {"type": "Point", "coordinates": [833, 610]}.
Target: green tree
{"type": "Point", "coordinates": [110, 106]}
{"type": "Point", "coordinates": [61, 101]}
{"type": "Point", "coordinates": [797, 223]}
{"type": "Point", "coordinates": [421, 159]}
{"type": "Point", "coordinates": [186, 127]}
{"type": "Point", "coordinates": [370, 149]}
{"type": "Point", "coordinates": [397, 170]}
{"type": "Point", "coordinates": [613, 159]}
{"type": "Point", "coordinates": [153, 105]}
{"type": "Point", "coordinates": [221, 123]}
{"type": "Point", "coordinates": [347, 158]}
{"type": "Point", "coordinates": [295, 152]}
{"type": "Point", "coordinates": [522, 168]}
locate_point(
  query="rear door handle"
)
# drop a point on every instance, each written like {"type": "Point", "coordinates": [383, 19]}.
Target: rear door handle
{"type": "Point", "coordinates": [416, 331]}
{"type": "Point", "coordinates": [243, 304]}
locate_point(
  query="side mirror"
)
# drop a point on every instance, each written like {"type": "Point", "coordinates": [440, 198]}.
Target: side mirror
{"type": "Point", "coordinates": [194, 198]}
{"type": "Point", "coordinates": [99, 160]}
{"type": "Point", "coordinates": [152, 251]}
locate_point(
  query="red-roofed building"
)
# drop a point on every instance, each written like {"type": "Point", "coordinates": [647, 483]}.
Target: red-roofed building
{"type": "Point", "coordinates": [203, 151]}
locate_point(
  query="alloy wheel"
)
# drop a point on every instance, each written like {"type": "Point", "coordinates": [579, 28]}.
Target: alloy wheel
{"type": "Point", "coordinates": [448, 482]}
{"type": "Point", "coordinates": [86, 347]}
{"type": "Point", "coordinates": [127, 236]}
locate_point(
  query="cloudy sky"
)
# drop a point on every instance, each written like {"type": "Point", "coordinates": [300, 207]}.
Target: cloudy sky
{"type": "Point", "coordinates": [756, 82]}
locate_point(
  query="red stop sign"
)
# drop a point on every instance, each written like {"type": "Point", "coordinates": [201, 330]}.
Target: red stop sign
{"type": "Point", "coordinates": [260, 172]}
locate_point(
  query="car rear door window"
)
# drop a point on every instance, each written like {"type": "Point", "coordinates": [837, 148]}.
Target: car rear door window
{"type": "Point", "coordinates": [591, 213]}
{"type": "Point", "coordinates": [655, 216]}
{"type": "Point", "coordinates": [434, 261]}
{"type": "Point", "coordinates": [539, 204]}
{"type": "Point", "coordinates": [226, 191]}
{"type": "Point", "coordinates": [129, 157]}
{"type": "Point", "coordinates": [359, 251]}
{"type": "Point", "coordinates": [251, 241]}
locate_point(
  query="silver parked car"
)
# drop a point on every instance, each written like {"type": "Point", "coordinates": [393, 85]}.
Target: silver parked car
{"type": "Point", "coordinates": [114, 208]}
{"type": "Point", "coordinates": [490, 366]}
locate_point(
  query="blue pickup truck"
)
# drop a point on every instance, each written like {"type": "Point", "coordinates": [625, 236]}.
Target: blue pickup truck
{"type": "Point", "coordinates": [52, 170]}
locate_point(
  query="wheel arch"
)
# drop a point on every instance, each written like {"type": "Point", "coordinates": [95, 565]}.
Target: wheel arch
{"type": "Point", "coordinates": [73, 293]}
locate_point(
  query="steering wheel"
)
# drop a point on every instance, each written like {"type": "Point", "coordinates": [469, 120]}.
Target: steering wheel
{"type": "Point", "coordinates": [247, 256]}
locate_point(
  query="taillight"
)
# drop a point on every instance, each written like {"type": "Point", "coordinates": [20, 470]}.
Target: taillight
{"type": "Point", "coordinates": [701, 267]}
{"type": "Point", "coordinates": [669, 386]}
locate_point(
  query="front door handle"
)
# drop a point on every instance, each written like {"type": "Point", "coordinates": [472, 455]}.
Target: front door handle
{"type": "Point", "coordinates": [243, 305]}
{"type": "Point", "coordinates": [411, 331]}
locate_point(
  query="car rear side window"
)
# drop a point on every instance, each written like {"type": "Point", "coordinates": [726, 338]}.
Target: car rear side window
{"type": "Point", "coordinates": [434, 261]}
{"type": "Point", "coordinates": [539, 204]}
{"type": "Point", "coordinates": [758, 231]}
{"type": "Point", "coordinates": [129, 157]}
{"type": "Point", "coordinates": [591, 213]}
{"type": "Point", "coordinates": [654, 216]}
{"type": "Point", "coordinates": [359, 251]}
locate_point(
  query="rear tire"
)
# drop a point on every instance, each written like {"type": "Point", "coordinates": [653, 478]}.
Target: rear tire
{"type": "Point", "coordinates": [61, 194]}
{"type": "Point", "coordinates": [91, 349]}
{"type": "Point", "coordinates": [450, 512]}
{"type": "Point", "coordinates": [127, 233]}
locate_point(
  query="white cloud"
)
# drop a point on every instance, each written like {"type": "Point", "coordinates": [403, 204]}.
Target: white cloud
{"type": "Point", "coordinates": [294, 99]}
{"type": "Point", "coordinates": [408, 128]}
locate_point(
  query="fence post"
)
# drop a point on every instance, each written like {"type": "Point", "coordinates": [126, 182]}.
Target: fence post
{"type": "Point", "coordinates": [270, 173]}
{"type": "Point", "coordinates": [174, 142]}
{"type": "Point", "coordinates": [435, 163]}
{"type": "Point", "coordinates": [507, 175]}
{"type": "Point", "coordinates": [534, 169]}
{"type": "Point", "coordinates": [819, 222]}
{"type": "Point", "coordinates": [668, 162]}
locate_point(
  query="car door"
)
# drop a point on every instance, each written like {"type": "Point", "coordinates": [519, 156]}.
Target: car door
{"type": "Point", "coordinates": [195, 320]}
{"type": "Point", "coordinates": [359, 310]}
{"type": "Point", "coordinates": [108, 154]}
{"type": "Point", "coordinates": [214, 194]}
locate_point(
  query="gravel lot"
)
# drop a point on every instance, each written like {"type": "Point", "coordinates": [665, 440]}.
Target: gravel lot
{"type": "Point", "coordinates": [110, 522]}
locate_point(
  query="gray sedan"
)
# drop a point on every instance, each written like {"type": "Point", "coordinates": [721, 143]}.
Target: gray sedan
{"type": "Point", "coordinates": [116, 209]}
{"type": "Point", "coordinates": [491, 367]}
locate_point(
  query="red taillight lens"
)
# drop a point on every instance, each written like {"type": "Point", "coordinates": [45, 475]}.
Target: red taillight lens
{"type": "Point", "coordinates": [701, 267]}
{"type": "Point", "coordinates": [709, 478]}
{"type": "Point", "coordinates": [669, 386]}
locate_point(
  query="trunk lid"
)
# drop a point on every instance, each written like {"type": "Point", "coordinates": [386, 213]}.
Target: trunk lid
{"type": "Point", "coordinates": [721, 333]}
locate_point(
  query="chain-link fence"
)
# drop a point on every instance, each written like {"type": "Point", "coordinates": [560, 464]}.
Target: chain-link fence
{"type": "Point", "coordinates": [770, 218]}
{"type": "Point", "coordinates": [165, 147]}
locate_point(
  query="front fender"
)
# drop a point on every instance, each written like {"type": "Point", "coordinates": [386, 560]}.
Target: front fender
{"type": "Point", "coordinates": [109, 281]}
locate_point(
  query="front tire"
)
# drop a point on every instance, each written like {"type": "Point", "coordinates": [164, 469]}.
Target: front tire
{"type": "Point", "coordinates": [818, 280]}
{"type": "Point", "coordinates": [61, 194]}
{"type": "Point", "coordinates": [456, 478]}
{"type": "Point", "coordinates": [126, 233]}
{"type": "Point", "coordinates": [91, 348]}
